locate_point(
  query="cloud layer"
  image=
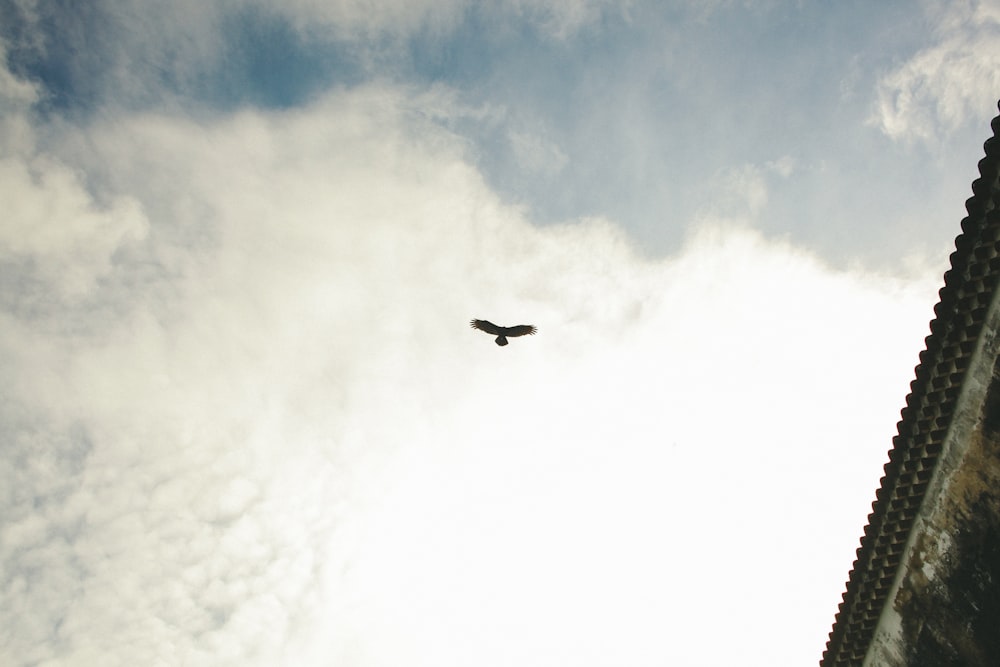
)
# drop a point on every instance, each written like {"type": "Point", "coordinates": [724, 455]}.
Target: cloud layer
{"type": "Point", "coordinates": [246, 421]}
{"type": "Point", "coordinates": [941, 86]}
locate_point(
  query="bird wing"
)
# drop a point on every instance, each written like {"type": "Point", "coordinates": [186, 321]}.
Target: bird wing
{"type": "Point", "coordinates": [520, 330]}
{"type": "Point", "coordinates": [487, 326]}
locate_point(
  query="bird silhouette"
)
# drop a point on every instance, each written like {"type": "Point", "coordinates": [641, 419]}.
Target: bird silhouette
{"type": "Point", "coordinates": [503, 332]}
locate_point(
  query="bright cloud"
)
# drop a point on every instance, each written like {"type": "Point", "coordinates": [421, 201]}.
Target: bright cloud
{"type": "Point", "coordinates": [255, 427]}
{"type": "Point", "coordinates": [943, 85]}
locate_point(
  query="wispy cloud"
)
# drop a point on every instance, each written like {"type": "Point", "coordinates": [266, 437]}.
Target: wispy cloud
{"type": "Point", "coordinates": [564, 19]}
{"type": "Point", "coordinates": [945, 84]}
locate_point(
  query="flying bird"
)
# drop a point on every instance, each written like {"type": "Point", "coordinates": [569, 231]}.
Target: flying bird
{"type": "Point", "coordinates": [502, 332]}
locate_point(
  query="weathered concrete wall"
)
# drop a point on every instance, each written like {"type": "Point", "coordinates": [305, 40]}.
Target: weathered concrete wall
{"type": "Point", "coordinates": [944, 607]}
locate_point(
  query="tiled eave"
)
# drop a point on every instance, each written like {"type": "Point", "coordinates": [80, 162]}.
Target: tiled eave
{"type": "Point", "coordinates": [967, 293]}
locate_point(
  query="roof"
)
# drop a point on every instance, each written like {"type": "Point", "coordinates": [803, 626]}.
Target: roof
{"type": "Point", "coordinates": [968, 290]}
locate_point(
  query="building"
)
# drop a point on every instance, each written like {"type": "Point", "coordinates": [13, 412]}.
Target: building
{"type": "Point", "coordinates": [925, 588]}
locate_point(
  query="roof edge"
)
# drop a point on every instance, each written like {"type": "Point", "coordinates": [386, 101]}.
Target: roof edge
{"type": "Point", "coordinates": [968, 289]}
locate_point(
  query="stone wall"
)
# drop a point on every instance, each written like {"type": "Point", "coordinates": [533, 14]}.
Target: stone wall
{"type": "Point", "coordinates": [944, 608]}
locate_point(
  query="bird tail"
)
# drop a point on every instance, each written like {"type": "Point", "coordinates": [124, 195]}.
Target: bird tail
{"type": "Point", "coordinates": [501, 340]}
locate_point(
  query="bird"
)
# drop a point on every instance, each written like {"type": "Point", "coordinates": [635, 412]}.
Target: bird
{"type": "Point", "coordinates": [502, 332]}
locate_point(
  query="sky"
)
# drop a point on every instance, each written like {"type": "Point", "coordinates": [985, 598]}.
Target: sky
{"type": "Point", "coordinates": [244, 421]}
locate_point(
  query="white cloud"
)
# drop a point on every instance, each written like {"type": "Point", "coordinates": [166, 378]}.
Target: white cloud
{"type": "Point", "coordinates": [361, 19]}
{"type": "Point", "coordinates": [62, 240]}
{"type": "Point", "coordinates": [536, 154]}
{"type": "Point", "coordinates": [351, 18]}
{"type": "Point", "coordinates": [564, 18]}
{"type": "Point", "coordinates": [52, 224]}
{"type": "Point", "coordinates": [270, 436]}
{"type": "Point", "coordinates": [354, 19]}
{"type": "Point", "coordinates": [783, 166]}
{"type": "Point", "coordinates": [746, 190]}
{"type": "Point", "coordinates": [944, 85]}
{"type": "Point", "coordinates": [16, 99]}
{"type": "Point", "coordinates": [16, 94]}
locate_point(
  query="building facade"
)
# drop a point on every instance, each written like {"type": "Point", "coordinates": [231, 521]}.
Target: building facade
{"type": "Point", "coordinates": [925, 588]}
